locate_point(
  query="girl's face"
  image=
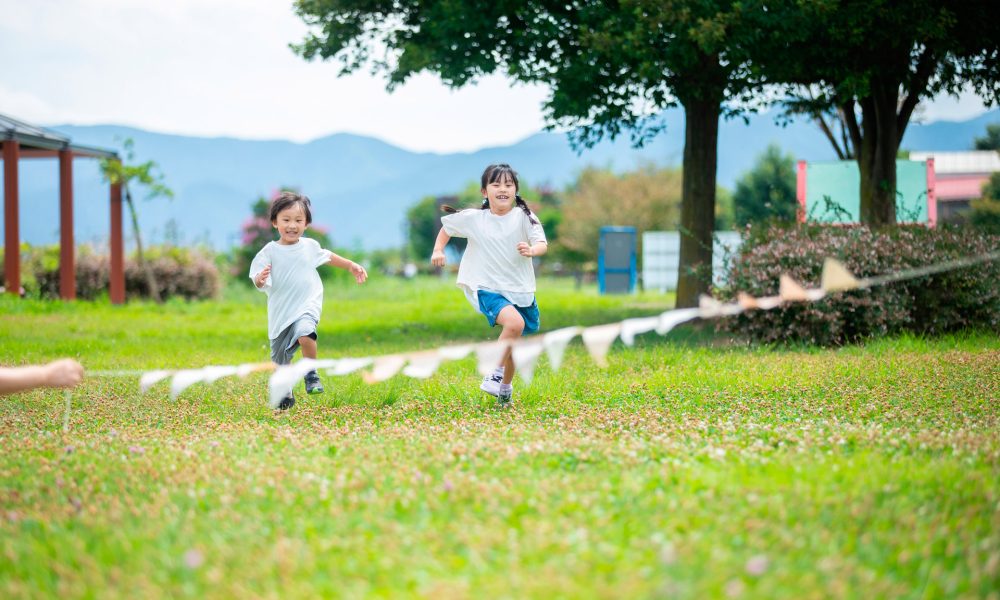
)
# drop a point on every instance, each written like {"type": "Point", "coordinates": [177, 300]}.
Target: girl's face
{"type": "Point", "coordinates": [291, 224]}
{"type": "Point", "coordinates": [501, 194]}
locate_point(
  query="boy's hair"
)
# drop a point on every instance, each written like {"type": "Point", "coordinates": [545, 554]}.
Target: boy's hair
{"type": "Point", "coordinates": [492, 174]}
{"type": "Point", "coordinates": [288, 199]}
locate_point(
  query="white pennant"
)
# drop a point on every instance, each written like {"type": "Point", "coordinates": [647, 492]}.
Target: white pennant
{"type": "Point", "coordinates": [489, 355]}
{"type": "Point", "coordinates": [673, 318]}
{"type": "Point", "coordinates": [598, 341]}
{"type": "Point", "coordinates": [213, 374]}
{"type": "Point", "coordinates": [633, 327]}
{"type": "Point", "coordinates": [285, 377]}
{"type": "Point", "coordinates": [422, 365]}
{"type": "Point", "coordinates": [384, 368]}
{"type": "Point", "coordinates": [346, 366]}
{"type": "Point", "coordinates": [151, 378]}
{"type": "Point", "coordinates": [555, 343]}
{"type": "Point", "coordinates": [455, 352]}
{"type": "Point", "coordinates": [525, 355]}
{"type": "Point", "coordinates": [769, 302]}
{"type": "Point", "coordinates": [184, 379]}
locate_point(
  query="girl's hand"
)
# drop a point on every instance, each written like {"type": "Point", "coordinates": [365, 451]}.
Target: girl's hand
{"type": "Point", "coordinates": [437, 258]}
{"type": "Point", "coordinates": [360, 275]}
{"type": "Point", "coordinates": [262, 276]}
{"type": "Point", "coordinates": [524, 248]}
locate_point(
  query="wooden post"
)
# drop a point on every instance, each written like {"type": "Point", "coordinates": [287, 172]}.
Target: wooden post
{"type": "Point", "coordinates": [67, 253]}
{"type": "Point", "coordinates": [12, 239]}
{"type": "Point", "coordinates": [117, 282]}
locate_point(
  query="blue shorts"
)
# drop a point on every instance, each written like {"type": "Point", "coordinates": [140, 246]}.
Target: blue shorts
{"type": "Point", "coordinates": [491, 304]}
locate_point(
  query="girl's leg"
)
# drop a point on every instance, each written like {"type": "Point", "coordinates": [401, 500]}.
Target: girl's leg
{"type": "Point", "coordinates": [308, 346]}
{"type": "Point", "coordinates": [513, 326]}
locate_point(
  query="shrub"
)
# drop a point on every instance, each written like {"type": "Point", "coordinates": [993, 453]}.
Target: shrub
{"type": "Point", "coordinates": [181, 272]}
{"type": "Point", "coordinates": [949, 301]}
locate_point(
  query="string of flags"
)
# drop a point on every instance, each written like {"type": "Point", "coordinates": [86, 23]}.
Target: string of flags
{"type": "Point", "coordinates": [526, 351]}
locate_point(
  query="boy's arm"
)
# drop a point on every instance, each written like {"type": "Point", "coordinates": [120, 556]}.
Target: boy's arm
{"type": "Point", "coordinates": [359, 272]}
{"type": "Point", "coordinates": [437, 256]}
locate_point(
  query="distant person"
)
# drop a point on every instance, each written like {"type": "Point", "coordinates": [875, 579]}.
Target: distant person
{"type": "Point", "coordinates": [285, 270]}
{"type": "Point", "coordinates": [61, 373]}
{"type": "Point", "coordinates": [496, 272]}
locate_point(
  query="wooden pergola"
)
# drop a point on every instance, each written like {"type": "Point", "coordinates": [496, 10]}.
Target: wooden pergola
{"type": "Point", "coordinates": [20, 140]}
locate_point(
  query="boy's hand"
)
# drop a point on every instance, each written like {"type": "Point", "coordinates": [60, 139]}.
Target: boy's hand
{"type": "Point", "coordinates": [524, 249]}
{"type": "Point", "coordinates": [437, 258]}
{"type": "Point", "coordinates": [262, 276]}
{"type": "Point", "coordinates": [360, 275]}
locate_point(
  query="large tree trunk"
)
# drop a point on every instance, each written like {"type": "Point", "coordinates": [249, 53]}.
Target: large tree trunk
{"type": "Point", "coordinates": [877, 154]}
{"type": "Point", "coordinates": [701, 138]}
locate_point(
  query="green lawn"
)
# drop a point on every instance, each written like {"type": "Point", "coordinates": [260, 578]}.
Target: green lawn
{"type": "Point", "coordinates": [691, 467]}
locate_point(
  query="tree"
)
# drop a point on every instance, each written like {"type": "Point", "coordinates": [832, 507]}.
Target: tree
{"type": "Point", "coordinates": [990, 141]}
{"type": "Point", "coordinates": [768, 190]}
{"type": "Point", "coordinates": [129, 175]}
{"type": "Point", "coordinates": [611, 68]}
{"type": "Point", "coordinates": [870, 63]}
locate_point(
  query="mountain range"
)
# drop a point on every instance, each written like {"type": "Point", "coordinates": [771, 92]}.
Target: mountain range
{"type": "Point", "coordinates": [361, 187]}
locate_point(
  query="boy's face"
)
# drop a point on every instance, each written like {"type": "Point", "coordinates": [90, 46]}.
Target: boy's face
{"type": "Point", "coordinates": [291, 224]}
{"type": "Point", "coordinates": [501, 194]}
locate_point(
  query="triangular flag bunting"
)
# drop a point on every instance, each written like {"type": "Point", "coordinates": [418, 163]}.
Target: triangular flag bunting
{"type": "Point", "coordinates": [423, 364]}
{"type": "Point", "coordinates": [598, 340]}
{"type": "Point", "coordinates": [151, 378]}
{"type": "Point", "coordinates": [633, 327]}
{"type": "Point", "coordinates": [525, 355]}
{"type": "Point", "coordinates": [555, 343]}
{"type": "Point", "coordinates": [836, 277]}
{"type": "Point", "coordinates": [384, 368]}
{"type": "Point", "coordinates": [673, 318]}
{"type": "Point", "coordinates": [489, 355]}
{"type": "Point", "coordinates": [790, 290]}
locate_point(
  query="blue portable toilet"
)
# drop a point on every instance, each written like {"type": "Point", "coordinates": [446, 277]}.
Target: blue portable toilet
{"type": "Point", "coordinates": [616, 260]}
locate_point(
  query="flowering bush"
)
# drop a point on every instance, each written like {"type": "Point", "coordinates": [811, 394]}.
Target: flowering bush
{"type": "Point", "coordinates": [956, 299]}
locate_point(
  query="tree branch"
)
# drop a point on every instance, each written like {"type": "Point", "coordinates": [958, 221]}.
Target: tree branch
{"type": "Point", "coordinates": [925, 68]}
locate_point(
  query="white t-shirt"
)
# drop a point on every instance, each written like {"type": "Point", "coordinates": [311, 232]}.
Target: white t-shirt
{"type": "Point", "coordinates": [293, 287]}
{"type": "Point", "coordinates": [491, 260]}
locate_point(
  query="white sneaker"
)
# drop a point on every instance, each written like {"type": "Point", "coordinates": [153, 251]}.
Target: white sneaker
{"type": "Point", "coordinates": [491, 384]}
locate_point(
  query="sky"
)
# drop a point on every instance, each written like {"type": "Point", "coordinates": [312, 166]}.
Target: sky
{"type": "Point", "coordinates": [223, 68]}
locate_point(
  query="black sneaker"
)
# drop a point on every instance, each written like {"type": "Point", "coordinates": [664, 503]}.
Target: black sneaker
{"type": "Point", "coordinates": [313, 384]}
{"type": "Point", "coordinates": [287, 402]}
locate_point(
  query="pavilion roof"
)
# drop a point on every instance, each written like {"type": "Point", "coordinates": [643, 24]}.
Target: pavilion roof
{"type": "Point", "coordinates": [38, 138]}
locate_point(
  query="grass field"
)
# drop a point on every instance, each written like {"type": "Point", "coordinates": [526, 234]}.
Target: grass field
{"type": "Point", "coordinates": [691, 467]}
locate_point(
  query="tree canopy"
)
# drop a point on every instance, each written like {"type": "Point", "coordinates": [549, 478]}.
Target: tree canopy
{"type": "Point", "coordinates": [611, 68]}
{"type": "Point", "coordinates": [870, 63]}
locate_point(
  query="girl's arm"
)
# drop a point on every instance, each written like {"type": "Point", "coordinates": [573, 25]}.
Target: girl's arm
{"type": "Point", "coordinates": [437, 256]}
{"type": "Point", "coordinates": [526, 249]}
{"type": "Point", "coordinates": [359, 272]}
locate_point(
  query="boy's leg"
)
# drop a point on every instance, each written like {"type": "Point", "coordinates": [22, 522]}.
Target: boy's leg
{"type": "Point", "coordinates": [309, 347]}
{"type": "Point", "coordinates": [309, 350]}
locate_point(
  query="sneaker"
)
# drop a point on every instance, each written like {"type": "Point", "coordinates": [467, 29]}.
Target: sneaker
{"type": "Point", "coordinates": [504, 394]}
{"type": "Point", "coordinates": [491, 383]}
{"type": "Point", "coordinates": [313, 384]}
{"type": "Point", "coordinates": [287, 402]}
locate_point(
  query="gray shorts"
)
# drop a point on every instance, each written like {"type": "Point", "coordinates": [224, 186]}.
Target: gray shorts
{"type": "Point", "coordinates": [284, 346]}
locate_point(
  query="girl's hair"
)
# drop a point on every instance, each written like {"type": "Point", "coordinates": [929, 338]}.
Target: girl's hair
{"type": "Point", "coordinates": [493, 174]}
{"type": "Point", "coordinates": [287, 200]}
